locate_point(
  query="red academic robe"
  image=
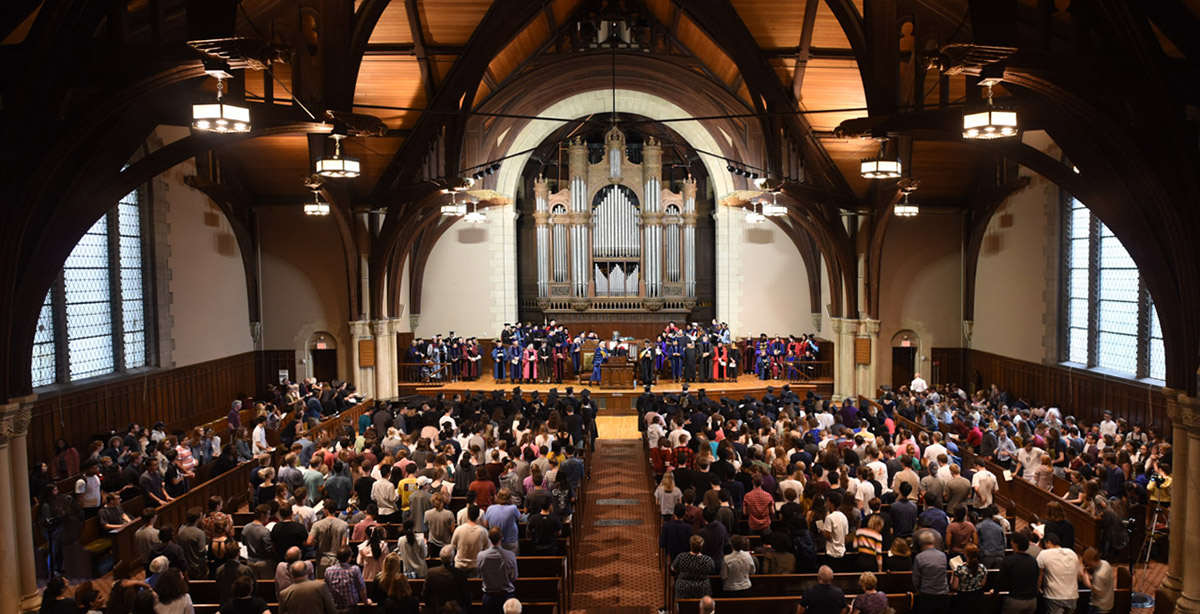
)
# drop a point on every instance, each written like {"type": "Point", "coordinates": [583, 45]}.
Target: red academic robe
{"type": "Point", "coordinates": [529, 364]}
{"type": "Point", "coordinates": [720, 356]}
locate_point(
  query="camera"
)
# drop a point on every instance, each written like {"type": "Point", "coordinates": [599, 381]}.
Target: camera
{"type": "Point", "coordinates": [1157, 479]}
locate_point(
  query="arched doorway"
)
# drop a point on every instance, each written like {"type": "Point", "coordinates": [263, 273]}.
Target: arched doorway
{"type": "Point", "coordinates": [322, 356]}
{"type": "Point", "coordinates": [906, 350]}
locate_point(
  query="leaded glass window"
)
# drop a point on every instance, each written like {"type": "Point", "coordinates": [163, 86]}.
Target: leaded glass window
{"type": "Point", "coordinates": [93, 319]}
{"type": "Point", "coordinates": [1109, 319]}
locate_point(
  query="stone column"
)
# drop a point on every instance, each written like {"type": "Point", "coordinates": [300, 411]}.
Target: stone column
{"type": "Point", "coordinates": [1183, 473]}
{"type": "Point", "coordinates": [364, 377]}
{"type": "Point", "coordinates": [844, 332]}
{"type": "Point", "coordinates": [10, 554]}
{"type": "Point", "coordinates": [868, 375]}
{"type": "Point", "coordinates": [385, 386]}
{"type": "Point", "coordinates": [30, 597]}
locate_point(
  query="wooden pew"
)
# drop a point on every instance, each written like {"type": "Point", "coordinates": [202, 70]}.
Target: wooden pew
{"type": "Point", "coordinates": [1028, 500]}
{"type": "Point", "coordinates": [901, 603]}
{"type": "Point", "coordinates": [232, 486]}
{"type": "Point", "coordinates": [533, 590]}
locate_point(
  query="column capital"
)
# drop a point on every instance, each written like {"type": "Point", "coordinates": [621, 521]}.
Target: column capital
{"type": "Point", "coordinates": [15, 417]}
{"type": "Point", "coordinates": [1183, 410]}
{"type": "Point", "coordinates": [361, 329]}
{"type": "Point", "coordinates": [689, 188]}
{"type": "Point", "coordinates": [816, 321]}
{"type": "Point", "coordinates": [541, 189]}
{"type": "Point", "coordinates": [836, 325]}
{"type": "Point", "coordinates": [413, 318]}
{"type": "Point", "coordinates": [870, 327]}
{"type": "Point", "coordinates": [381, 327]}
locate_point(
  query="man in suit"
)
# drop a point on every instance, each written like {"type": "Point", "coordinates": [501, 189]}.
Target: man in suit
{"type": "Point", "coordinates": [446, 583]}
{"type": "Point", "coordinates": [306, 596]}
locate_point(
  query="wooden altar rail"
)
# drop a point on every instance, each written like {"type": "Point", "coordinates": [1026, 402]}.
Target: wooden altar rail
{"type": "Point", "coordinates": [1028, 500]}
{"type": "Point", "coordinates": [414, 372]}
{"type": "Point", "coordinates": [233, 486]}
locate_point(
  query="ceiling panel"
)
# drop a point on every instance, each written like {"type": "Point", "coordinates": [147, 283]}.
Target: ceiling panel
{"type": "Point", "coordinates": [773, 24]}
{"type": "Point", "coordinates": [848, 154]}
{"type": "Point", "coordinates": [274, 165]}
{"type": "Point", "coordinates": [391, 81]}
{"type": "Point", "coordinates": [521, 47]}
{"type": "Point", "coordinates": [832, 84]}
{"type": "Point", "coordinates": [707, 51]}
{"type": "Point", "coordinates": [827, 31]}
{"type": "Point", "coordinates": [562, 10]}
{"type": "Point", "coordinates": [946, 169]}
{"type": "Point", "coordinates": [393, 25]}
{"type": "Point", "coordinates": [451, 22]}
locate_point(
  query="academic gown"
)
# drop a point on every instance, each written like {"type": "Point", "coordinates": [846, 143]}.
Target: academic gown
{"type": "Point", "coordinates": [498, 363]}
{"type": "Point", "coordinates": [676, 360]}
{"type": "Point", "coordinates": [513, 357]}
{"type": "Point", "coordinates": [704, 350]}
{"type": "Point", "coordinates": [689, 364]}
{"type": "Point", "coordinates": [646, 364]}
{"type": "Point", "coordinates": [598, 359]}
{"type": "Point", "coordinates": [529, 360]}
{"type": "Point", "coordinates": [720, 368]}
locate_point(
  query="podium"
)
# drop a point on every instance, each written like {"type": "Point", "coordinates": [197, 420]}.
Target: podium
{"type": "Point", "coordinates": [616, 373]}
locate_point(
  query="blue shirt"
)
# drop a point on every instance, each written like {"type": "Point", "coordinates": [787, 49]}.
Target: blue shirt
{"type": "Point", "coordinates": [497, 568]}
{"type": "Point", "coordinates": [505, 517]}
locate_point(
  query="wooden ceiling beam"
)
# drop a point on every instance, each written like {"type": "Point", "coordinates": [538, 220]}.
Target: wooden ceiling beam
{"type": "Point", "coordinates": [428, 68]}
{"type": "Point", "coordinates": [383, 49]}
{"type": "Point", "coordinates": [804, 51]}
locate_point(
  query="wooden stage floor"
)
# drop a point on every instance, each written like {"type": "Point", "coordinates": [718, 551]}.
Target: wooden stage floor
{"type": "Point", "coordinates": [616, 399]}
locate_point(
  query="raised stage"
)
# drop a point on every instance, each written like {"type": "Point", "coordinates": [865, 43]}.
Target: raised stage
{"type": "Point", "coordinates": [617, 400]}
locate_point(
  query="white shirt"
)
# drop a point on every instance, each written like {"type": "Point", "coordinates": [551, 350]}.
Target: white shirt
{"type": "Point", "coordinates": [1030, 460]}
{"type": "Point", "coordinates": [654, 432]}
{"type": "Point", "coordinates": [88, 487]}
{"type": "Point", "coordinates": [260, 439]}
{"type": "Point", "coordinates": [865, 492]}
{"type": "Point", "coordinates": [1108, 427]}
{"type": "Point", "coordinates": [1062, 573]}
{"type": "Point", "coordinates": [880, 472]}
{"type": "Point", "coordinates": [932, 451]}
{"type": "Point", "coordinates": [384, 495]}
{"type": "Point", "coordinates": [943, 473]}
{"type": "Point", "coordinates": [918, 385]}
{"type": "Point", "coordinates": [984, 483]}
{"type": "Point", "coordinates": [677, 436]}
{"type": "Point", "coordinates": [836, 524]}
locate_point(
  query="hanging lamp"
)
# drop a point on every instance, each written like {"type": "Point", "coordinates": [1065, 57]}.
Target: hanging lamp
{"type": "Point", "coordinates": [318, 207]}
{"type": "Point", "coordinates": [990, 123]}
{"type": "Point", "coordinates": [880, 166]}
{"type": "Point", "coordinates": [904, 209]}
{"type": "Point", "coordinates": [337, 166]}
{"type": "Point", "coordinates": [220, 116]}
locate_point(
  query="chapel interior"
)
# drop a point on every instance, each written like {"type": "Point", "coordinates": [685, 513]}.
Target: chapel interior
{"type": "Point", "coordinates": [211, 196]}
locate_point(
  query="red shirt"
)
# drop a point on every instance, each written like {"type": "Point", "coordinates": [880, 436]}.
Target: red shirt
{"type": "Point", "coordinates": [484, 492]}
{"type": "Point", "coordinates": [758, 505]}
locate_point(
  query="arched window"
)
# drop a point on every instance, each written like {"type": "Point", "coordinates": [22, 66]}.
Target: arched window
{"type": "Point", "coordinates": [93, 320]}
{"type": "Point", "coordinates": [1110, 321]}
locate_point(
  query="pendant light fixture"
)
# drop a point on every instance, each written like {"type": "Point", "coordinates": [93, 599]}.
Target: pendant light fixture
{"type": "Point", "coordinates": [774, 209]}
{"type": "Point", "coordinates": [337, 166]}
{"type": "Point", "coordinates": [220, 116]}
{"type": "Point", "coordinates": [904, 209]}
{"type": "Point", "coordinates": [318, 207]}
{"type": "Point", "coordinates": [990, 123]}
{"type": "Point", "coordinates": [454, 208]}
{"type": "Point", "coordinates": [880, 166]}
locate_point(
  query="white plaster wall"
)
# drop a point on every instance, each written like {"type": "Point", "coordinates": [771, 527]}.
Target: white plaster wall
{"type": "Point", "coordinates": [458, 294]}
{"type": "Point", "coordinates": [207, 282]}
{"type": "Point", "coordinates": [774, 283]}
{"type": "Point", "coordinates": [303, 280]}
{"type": "Point", "coordinates": [1013, 307]}
{"type": "Point", "coordinates": [921, 286]}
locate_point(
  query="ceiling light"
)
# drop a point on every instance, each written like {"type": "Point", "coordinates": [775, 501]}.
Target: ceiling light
{"type": "Point", "coordinates": [773, 208]}
{"type": "Point", "coordinates": [990, 123]}
{"type": "Point", "coordinates": [729, 167]}
{"type": "Point", "coordinates": [904, 209]}
{"type": "Point", "coordinates": [475, 217]}
{"type": "Point", "coordinates": [337, 166]}
{"type": "Point", "coordinates": [879, 168]}
{"type": "Point", "coordinates": [220, 116]}
{"type": "Point", "coordinates": [754, 217]}
{"type": "Point", "coordinates": [318, 207]}
{"type": "Point", "coordinates": [454, 210]}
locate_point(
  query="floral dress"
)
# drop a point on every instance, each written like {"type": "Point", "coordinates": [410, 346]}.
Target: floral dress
{"type": "Point", "coordinates": [970, 596]}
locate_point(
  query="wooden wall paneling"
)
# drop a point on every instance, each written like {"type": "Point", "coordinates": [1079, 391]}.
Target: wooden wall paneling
{"type": "Point", "coordinates": [179, 397]}
{"type": "Point", "coordinates": [948, 367]}
{"type": "Point", "coordinates": [1082, 393]}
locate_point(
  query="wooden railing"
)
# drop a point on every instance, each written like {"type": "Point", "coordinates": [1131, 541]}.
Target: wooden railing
{"type": "Point", "coordinates": [233, 486]}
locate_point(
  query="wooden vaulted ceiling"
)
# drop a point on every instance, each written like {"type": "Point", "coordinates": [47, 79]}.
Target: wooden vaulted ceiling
{"type": "Point", "coordinates": [416, 43]}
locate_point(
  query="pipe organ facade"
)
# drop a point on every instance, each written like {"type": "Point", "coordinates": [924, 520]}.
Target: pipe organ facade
{"type": "Point", "coordinates": [614, 230]}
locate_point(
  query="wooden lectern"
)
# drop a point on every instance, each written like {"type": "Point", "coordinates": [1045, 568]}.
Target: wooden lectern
{"type": "Point", "coordinates": [616, 373]}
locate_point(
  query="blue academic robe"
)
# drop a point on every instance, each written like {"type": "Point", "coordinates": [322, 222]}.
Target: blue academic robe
{"type": "Point", "coordinates": [498, 362]}
{"type": "Point", "coordinates": [514, 369]}
{"type": "Point", "coordinates": [597, 359]}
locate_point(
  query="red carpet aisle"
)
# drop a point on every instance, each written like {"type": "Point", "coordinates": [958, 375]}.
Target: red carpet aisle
{"type": "Point", "coordinates": [617, 569]}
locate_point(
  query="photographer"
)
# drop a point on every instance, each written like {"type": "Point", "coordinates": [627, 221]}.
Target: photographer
{"type": "Point", "coordinates": [1159, 487]}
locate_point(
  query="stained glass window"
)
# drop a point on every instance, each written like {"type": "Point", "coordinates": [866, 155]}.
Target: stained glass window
{"type": "Point", "coordinates": [1109, 320]}
{"type": "Point", "coordinates": [98, 304]}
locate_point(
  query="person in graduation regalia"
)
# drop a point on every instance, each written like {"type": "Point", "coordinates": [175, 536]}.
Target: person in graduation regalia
{"type": "Point", "coordinates": [498, 361]}
{"type": "Point", "coordinates": [473, 358]}
{"type": "Point", "coordinates": [734, 356]}
{"type": "Point", "coordinates": [763, 367]}
{"type": "Point", "coordinates": [513, 358]}
{"type": "Point", "coordinates": [689, 362]}
{"type": "Point", "coordinates": [529, 363]}
{"type": "Point", "coordinates": [576, 349]}
{"type": "Point", "coordinates": [676, 360]}
{"type": "Point", "coordinates": [646, 363]}
{"type": "Point", "coordinates": [778, 352]}
{"type": "Point", "coordinates": [598, 359]}
{"type": "Point", "coordinates": [559, 355]}
{"type": "Point", "coordinates": [660, 357]}
{"type": "Point", "coordinates": [704, 348]}
{"type": "Point", "coordinates": [720, 363]}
